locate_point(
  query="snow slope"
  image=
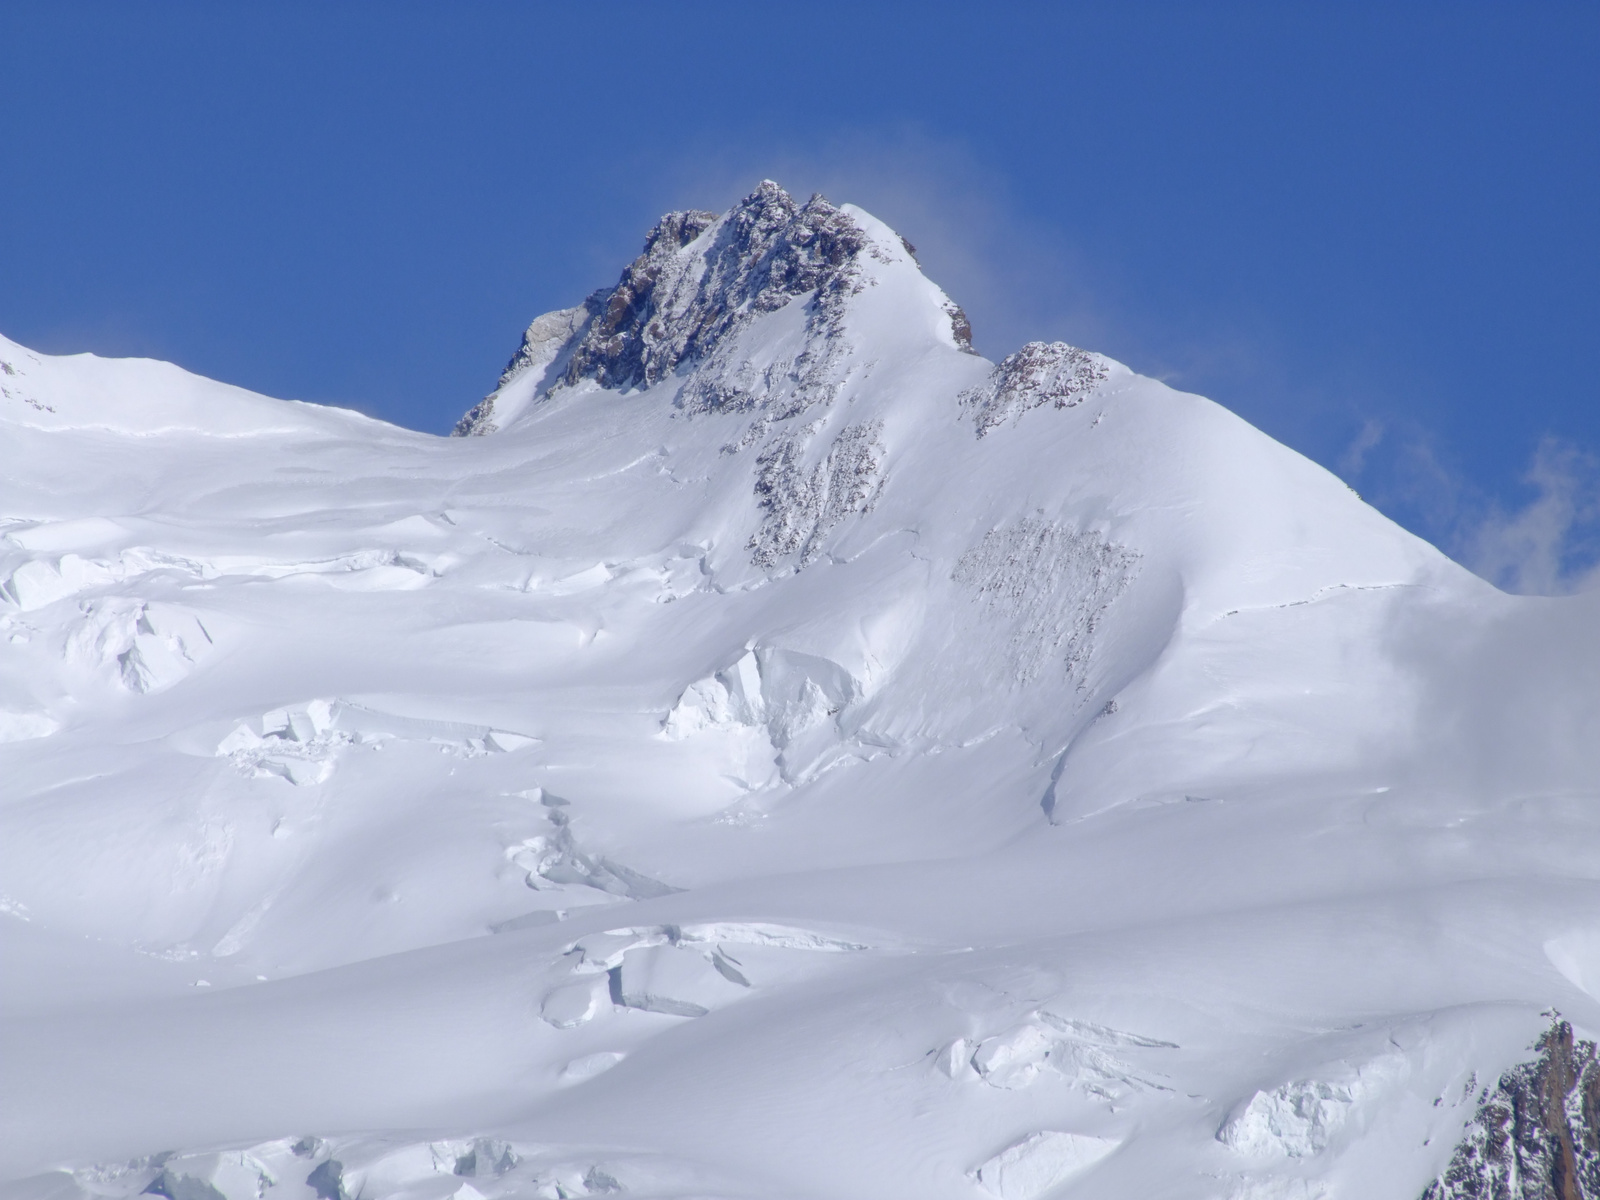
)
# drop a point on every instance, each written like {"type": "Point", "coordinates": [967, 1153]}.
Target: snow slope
{"type": "Point", "coordinates": [782, 755]}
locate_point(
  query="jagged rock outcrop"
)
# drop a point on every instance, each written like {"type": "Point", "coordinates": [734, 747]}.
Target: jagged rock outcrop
{"type": "Point", "coordinates": [1039, 373]}
{"type": "Point", "coordinates": [542, 344]}
{"type": "Point", "coordinates": [768, 250]}
{"type": "Point", "coordinates": [1536, 1134]}
{"type": "Point", "coordinates": [960, 327]}
{"type": "Point", "coordinates": [680, 306]}
{"type": "Point", "coordinates": [681, 312]}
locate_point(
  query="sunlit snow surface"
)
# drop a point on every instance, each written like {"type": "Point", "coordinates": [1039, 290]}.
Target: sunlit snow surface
{"type": "Point", "coordinates": [912, 795]}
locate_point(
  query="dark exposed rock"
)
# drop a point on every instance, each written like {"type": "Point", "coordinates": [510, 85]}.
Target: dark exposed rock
{"type": "Point", "coordinates": [663, 313]}
{"type": "Point", "coordinates": [678, 312]}
{"type": "Point", "coordinates": [477, 420]}
{"type": "Point", "coordinates": [680, 305]}
{"type": "Point", "coordinates": [1536, 1134]}
{"type": "Point", "coordinates": [1039, 373]}
{"type": "Point", "coordinates": [960, 327]}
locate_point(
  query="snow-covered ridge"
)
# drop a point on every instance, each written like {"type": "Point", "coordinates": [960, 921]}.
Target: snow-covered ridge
{"type": "Point", "coordinates": [144, 397]}
{"type": "Point", "coordinates": [794, 756]}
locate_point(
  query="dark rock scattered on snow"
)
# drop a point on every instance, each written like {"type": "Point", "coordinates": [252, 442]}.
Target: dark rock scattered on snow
{"type": "Point", "coordinates": [802, 502]}
{"type": "Point", "coordinates": [1040, 373]}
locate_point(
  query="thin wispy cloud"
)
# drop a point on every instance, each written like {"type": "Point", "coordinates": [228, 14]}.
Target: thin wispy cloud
{"type": "Point", "coordinates": [1544, 547]}
{"type": "Point", "coordinates": [1548, 545]}
{"type": "Point", "coordinates": [1355, 455]}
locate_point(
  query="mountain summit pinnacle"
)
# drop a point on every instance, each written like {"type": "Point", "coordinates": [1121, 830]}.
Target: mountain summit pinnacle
{"type": "Point", "coordinates": [701, 281]}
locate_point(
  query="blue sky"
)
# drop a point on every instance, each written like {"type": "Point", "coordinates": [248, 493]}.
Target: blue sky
{"type": "Point", "coordinates": [1372, 230]}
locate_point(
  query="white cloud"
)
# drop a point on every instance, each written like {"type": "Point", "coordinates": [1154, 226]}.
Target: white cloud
{"type": "Point", "coordinates": [1531, 550]}
{"type": "Point", "coordinates": [1354, 457]}
{"type": "Point", "coordinates": [1548, 545]}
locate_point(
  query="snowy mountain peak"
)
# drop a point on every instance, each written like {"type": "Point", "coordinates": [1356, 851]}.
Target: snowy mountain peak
{"type": "Point", "coordinates": [796, 757]}
{"type": "Point", "coordinates": [700, 282]}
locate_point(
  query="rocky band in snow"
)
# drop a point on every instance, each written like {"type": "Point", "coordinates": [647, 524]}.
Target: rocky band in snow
{"type": "Point", "coordinates": [1536, 1134]}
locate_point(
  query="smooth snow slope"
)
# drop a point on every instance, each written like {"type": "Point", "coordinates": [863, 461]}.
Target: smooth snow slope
{"type": "Point", "coordinates": [788, 756]}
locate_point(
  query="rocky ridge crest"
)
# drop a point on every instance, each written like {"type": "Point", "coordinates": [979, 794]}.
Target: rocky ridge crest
{"type": "Point", "coordinates": [674, 306]}
{"type": "Point", "coordinates": [681, 304]}
{"type": "Point", "coordinates": [1536, 1133]}
{"type": "Point", "coordinates": [1039, 373]}
{"type": "Point", "coordinates": [679, 312]}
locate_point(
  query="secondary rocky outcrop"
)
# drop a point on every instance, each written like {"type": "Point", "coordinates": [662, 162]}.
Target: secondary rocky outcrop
{"type": "Point", "coordinates": [1536, 1134]}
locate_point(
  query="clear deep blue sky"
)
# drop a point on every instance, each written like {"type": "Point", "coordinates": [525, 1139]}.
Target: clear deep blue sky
{"type": "Point", "coordinates": [1371, 229]}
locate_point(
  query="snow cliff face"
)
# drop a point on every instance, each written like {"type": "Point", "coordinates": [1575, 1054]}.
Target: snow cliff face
{"type": "Point", "coordinates": [783, 754]}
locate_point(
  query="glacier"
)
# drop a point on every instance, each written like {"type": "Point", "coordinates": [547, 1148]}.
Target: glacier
{"type": "Point", "coordinates": [773, 751]}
